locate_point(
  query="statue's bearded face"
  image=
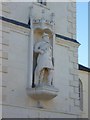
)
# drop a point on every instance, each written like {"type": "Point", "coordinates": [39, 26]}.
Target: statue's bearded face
{"type": "Point", "coordinates": [46, 38]}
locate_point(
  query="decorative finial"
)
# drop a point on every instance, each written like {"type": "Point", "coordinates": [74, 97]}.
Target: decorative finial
{"type": "Point", "coordinates": [52, 17]}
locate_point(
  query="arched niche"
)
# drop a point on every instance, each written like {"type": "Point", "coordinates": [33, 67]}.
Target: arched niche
{"type": "Point", "coordinates": [38, 32]}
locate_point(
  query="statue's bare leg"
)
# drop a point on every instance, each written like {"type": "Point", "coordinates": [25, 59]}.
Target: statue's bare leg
{"type": "Point", "coordinates": [46, 72]}
{"type": "Point", "coordinates": [36, 80]}
{"type": "Point", "coordinates": [50, 77]}
{"type": "Point", "coordinates": [41, 76]}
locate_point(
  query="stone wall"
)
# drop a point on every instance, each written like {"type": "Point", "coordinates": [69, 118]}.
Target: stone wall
{"type": "Point", "coordinates": [16, 102]}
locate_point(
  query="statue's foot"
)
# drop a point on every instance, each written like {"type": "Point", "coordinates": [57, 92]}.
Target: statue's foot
{"type": "Point", "coordinates": [33, 86]}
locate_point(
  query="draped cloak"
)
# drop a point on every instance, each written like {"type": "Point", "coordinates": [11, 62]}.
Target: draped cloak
{"type": "Point", "coordinates": [44, 59]}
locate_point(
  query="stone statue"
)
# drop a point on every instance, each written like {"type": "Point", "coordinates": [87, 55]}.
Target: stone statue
{"type": "Point", "coordinates": [44, 68]}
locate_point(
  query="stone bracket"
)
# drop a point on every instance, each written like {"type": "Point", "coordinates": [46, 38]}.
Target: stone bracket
{"type": "Point", "coordinates": [43, 92]}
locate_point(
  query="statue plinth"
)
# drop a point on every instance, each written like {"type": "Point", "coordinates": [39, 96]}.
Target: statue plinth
{"type": "Point", "coordinates": [43, 92]}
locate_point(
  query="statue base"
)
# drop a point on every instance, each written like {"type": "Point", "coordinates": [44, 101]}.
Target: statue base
{"type": "Point", "coordinates": [43, 92]}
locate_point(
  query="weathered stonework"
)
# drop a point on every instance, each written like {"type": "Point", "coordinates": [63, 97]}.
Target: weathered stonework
{"type": "Point", "coordinates": [73, 77]}
{"type": "Point", "coordinates": [0, 64]}
{"type": "Point", "coordinates": [5, 9]}
{"type": "Point", "coordinates": [4, 55]}
{"type": "Point", "coordinates": [72, 19]}
{"type": "Point", "coordinates": [77, 102]}
{"type": "Point", "coordinates": [74, 83]}
{"type": "Point", "coordinates": [4, 46]}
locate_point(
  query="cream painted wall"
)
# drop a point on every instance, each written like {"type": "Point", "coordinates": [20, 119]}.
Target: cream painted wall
{"type": "Point", "coordinates": [83, 75]}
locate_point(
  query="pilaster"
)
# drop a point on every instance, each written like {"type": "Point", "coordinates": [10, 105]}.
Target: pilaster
{"type": "Point", "coordinates": [74, 80]}
{"type": "Point", "coordinates": [5, 9]}
{"type": "Point", "coordinates": [71, 18]}
{"type": "Point", "coordinates": [4, 46]}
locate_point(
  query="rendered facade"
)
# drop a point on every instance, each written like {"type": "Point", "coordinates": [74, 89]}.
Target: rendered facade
{"type": "Point", "coordinates": [22, 25]}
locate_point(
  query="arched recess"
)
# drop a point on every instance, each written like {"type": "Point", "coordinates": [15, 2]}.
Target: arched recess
{"type": "Point", "coordinates": [38, 32]}
{"type": "Point", "coordinates": [81, 94]}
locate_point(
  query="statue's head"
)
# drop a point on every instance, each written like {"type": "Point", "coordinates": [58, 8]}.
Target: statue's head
{"type": "Point", "coordinates": [45, 36]}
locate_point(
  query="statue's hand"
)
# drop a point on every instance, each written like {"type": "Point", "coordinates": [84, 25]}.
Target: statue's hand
{"type": "Point", "coordinates": [42, 52]}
